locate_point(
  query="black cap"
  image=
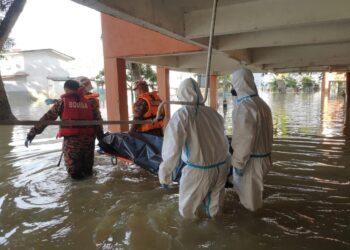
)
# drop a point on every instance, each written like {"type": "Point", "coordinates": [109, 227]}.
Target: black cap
{"type": "Point", "coordinates": [71, 84]}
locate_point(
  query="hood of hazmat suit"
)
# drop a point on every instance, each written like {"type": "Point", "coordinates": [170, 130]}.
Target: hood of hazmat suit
{"type": "Point", "coordinates": [196, 134]}
{"type": "Point", "coordinates": [251, 139]}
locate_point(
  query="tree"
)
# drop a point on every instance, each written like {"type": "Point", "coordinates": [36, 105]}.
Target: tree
{"type": "Point", "coordinates": [100, 78]}
{"type": "Point", "coordinates": [273, 84]}
{"type": "Point", "coordinates": [290, 81]}
{"type": "Point", "coordinates": [9, 13]}
{"type": "Point", "coordinates": [307, 83]}
{"type": "Point", "coordinates": [225, 84]}
{"type": "Point", "coordinates": [149, 74]}
{"type": "Point", "coordinates": [137, 71]}
{"type": "Point", "coordinates": [134, 72]}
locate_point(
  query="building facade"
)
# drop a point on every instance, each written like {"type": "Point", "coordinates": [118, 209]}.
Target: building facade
{"type": "Point", "coordinates": [34, 74]}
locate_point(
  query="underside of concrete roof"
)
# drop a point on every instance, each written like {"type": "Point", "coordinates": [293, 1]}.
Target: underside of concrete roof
{"type": "Point", "coordinates": [264, 35]}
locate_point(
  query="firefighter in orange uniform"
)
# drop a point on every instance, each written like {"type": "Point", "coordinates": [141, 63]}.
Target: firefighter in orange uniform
{"type": "Point", "coordinates": [79, 141]}
{"type": "Point", "coordinates": [145, 108]}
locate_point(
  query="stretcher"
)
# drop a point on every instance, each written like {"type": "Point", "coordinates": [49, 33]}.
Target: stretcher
{"type": "Point", "coordinates": [115, 159]}
{"type": "Point", "coordinates": [141, 149]}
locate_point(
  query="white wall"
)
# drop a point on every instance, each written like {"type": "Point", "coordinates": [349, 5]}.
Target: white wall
{"type": "Point", "coordinates": [38, 65]}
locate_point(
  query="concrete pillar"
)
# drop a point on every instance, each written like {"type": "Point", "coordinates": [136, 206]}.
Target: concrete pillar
{"type": "Point", "coordinates": [326, 85]}
{"type": "Point", "coordinates": [164, 89]}
{"type": "Point", "coordinates": [116, 92]}
{"type": "Point", "coordinates": [347, 104]}
{"type": "Point", "coordinates": [213, 92]}
{"type": "Point", "coordinates": [323, 84]}
{"type": "Point", "coordinates": [347, 77]}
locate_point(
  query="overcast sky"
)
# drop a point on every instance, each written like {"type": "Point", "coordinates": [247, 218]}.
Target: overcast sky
{"type": "Point", "coordinates": [62, 25]}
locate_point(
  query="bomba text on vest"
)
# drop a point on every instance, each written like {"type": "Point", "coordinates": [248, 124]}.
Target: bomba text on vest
{"type": "Point", "coordinates": [79, 105]}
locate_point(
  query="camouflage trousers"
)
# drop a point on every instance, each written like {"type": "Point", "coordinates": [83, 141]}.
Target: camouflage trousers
{"type": "Point", "coordinates": [79, 155]}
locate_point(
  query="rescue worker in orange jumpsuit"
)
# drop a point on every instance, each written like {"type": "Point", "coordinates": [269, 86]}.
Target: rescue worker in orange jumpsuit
{"type": "Point", "coordinates": [79, 141]}
{"type": "Point", "coordinates": [146, 108]}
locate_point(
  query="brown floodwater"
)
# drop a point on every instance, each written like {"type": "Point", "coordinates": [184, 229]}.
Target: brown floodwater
{"type": "Point", "coordinates": [306, 206]}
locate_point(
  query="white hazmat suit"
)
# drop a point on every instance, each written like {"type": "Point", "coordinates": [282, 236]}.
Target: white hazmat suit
{"type": "Point", "coordinates": [251, 140]}
{"type": "Point", "coordinates": [196, 134]}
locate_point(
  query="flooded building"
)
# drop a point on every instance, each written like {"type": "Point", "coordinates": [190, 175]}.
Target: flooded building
{"type": "Point", "coordinates": [30, 73]}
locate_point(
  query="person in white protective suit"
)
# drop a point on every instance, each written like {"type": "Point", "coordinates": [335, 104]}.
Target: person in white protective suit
{"type": "Point", "coordinates": [251, 140]}
{"type": "Point", "coordinates": [196, 134]}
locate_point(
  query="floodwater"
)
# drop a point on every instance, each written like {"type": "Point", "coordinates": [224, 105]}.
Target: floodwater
{"type": "Point", "coordinates": [307, 193]}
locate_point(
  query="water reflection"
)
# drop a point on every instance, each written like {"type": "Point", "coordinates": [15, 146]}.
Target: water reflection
{"type": "Point", "coordinates": [347, 122]}
{"type": "Point", "coordinates": [307, 193]}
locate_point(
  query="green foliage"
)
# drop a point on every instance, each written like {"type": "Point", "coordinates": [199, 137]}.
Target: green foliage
{"type": "Point", "coordinates": [100, 78]}
{"type": "Point", "coordinates": [296, 81]}
{"type": "Point", "coordinates": [290, 81]}
{"type": "Point", "coordinates": [136, 71]}
{"type": "Point", "coordinates": [148, 73]}
{"type": "Point", "coordinates": [145, 71]}
{"type": "Point", "coordinates": [273, 84]}
{"type": "Point", "coordinates": [9, 43]}
{"type": "Point", "coordinates": [224, 83]}
{"type": "Point", "coordinates": [307, 82]}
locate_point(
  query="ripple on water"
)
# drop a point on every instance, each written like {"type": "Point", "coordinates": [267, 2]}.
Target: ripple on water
{"type": "Point", "coordinates": [306, 204]}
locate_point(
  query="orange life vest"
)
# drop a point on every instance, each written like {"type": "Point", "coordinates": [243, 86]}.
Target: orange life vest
{"type": "Point", "coordinates": [76, 107]}
{"type": "Point", "coordinates": [153, 100]}
{"type": "Point", "coordinates": [89, 95]}
{"type": "Point", "coordinates": [93, 96]}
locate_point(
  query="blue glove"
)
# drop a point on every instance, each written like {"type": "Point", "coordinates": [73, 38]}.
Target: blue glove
{"type": "Point", "coordinates": [236, 182]}
{"type": "Point", "coordinates": [165, 186]}
{"type": "Point", "coordinates": [50, 101]}
{"type": "Point", "coordinates": [239, 172]}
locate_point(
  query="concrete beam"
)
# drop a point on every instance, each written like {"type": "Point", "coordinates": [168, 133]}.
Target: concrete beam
{"type": "Point", "coordinates": [242, 55]}
{"type": "Point", "coordinates": [302, 67]}
{"type": "Point", "coordinates": [311, 34]}
{"type": "Point", "coordinates": [164, 61]}
{"type": "Point", "coordinates": [199, 61]}
{"type": "Point", "coordinates": [337, 68]}
{"type": "Point", "coordinates": [124, 39]}
{"type": "Point", "coordinates": [265, 15]}
{"type": "Point", "coordinates": [156, 15]}
{"type": "Point", "coordinates": [189, 61]}
{"type": "Point", "coordinates": [303, 54]}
